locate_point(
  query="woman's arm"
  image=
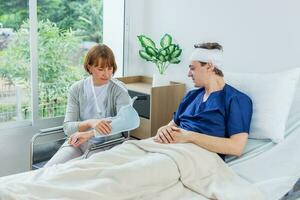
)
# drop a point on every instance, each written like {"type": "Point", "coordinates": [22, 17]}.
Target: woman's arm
{"type": "Point", "coordinates": [71, 121]}
{"type": "Point", "coordinates": [122, 98]}
{"type": "Point", "coordinates": [87, 124]}
{"type": "Point", "coordinates": [79, 138]}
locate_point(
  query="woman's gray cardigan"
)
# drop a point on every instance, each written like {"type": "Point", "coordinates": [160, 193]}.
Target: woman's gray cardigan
{"type": "Point", "coordinates": [117, 96]}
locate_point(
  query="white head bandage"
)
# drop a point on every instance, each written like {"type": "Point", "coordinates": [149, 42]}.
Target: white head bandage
{"type": "Point", "coordinates": [208, 55]}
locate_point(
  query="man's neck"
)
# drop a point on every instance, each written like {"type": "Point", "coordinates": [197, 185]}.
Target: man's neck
{"type": "Point", "coordinates": [214, 84]}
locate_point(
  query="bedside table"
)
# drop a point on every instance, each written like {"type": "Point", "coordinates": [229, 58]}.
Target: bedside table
{"type": "Point", "coordinates": [158, 107]}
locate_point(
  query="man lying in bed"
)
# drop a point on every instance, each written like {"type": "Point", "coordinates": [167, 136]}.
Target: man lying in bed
{"type": "Point", "coordinates": [216, 116]}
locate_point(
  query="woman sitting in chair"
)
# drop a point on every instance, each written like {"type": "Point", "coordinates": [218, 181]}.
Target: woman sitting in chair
{"type": "Point", "coordinates": [90, 101]}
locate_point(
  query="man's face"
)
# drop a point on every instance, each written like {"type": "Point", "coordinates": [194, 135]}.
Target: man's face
{"type": "Point", "coordinates": [198, 73]}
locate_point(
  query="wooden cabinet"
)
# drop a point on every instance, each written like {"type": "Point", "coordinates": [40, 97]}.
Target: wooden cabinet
{"type": "Point", "coordinates": [158, 105]}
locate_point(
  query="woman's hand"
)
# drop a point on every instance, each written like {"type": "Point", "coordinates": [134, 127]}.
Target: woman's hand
{"type": "Point", "coordinates": [79, 138]}
{"type": "Point", "coordinates": [172, 134]}
{"type": "Point", "coordinates": [101, 126]}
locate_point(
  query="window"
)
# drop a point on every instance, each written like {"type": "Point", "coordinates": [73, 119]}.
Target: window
{"type": "Point", "coordinates": [14, 61]}
{"type": "Point", "coordinates": [42, 55]}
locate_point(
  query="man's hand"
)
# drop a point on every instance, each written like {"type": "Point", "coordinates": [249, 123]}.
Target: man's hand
{"type": "Point", "coordinates": [101, 126]}
{"type": "Point", "coordinates": [164, 134]}
{"type": "Point", "coordinates": [182, 136]}
{"type": "Point", "coordinates": [171, 134]}
{"type": "Point", "coordinates": [79, 138]}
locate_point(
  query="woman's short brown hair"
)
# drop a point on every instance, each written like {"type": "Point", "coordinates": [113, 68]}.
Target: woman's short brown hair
{"type": "Point", "coordinates": [103, 52]}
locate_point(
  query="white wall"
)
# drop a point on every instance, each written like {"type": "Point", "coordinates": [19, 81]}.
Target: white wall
{"type": "Point", "coordinates": [15, 146]}
{"type": "Point", "coordinates": [113, 29]}
{"type": "Point", "coordinates": [257, 36]}
{"type": "Point", "coordinates": [134, 25]}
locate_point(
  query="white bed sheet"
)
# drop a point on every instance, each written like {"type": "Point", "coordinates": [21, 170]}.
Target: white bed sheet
{"type": "Point", "coordinates": [253, 147]}
{"type": "Point", "coordinates": [273, 168]}
{"type": "Point", "coordinates": [124, 173]}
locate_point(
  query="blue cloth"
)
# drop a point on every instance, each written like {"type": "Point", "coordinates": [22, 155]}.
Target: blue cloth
{"type": "Point", "coordinates": [226, 112]}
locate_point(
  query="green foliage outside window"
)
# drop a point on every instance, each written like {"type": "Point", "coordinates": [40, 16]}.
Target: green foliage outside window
{"type": "Point", "coordinates": [83, 16]}
{"type": "Point", "coordinates": [11, 109]}
{"type": "Point", "coordinates": [58, 66]}
{"type": "Point", "coordinates": [58, 62]}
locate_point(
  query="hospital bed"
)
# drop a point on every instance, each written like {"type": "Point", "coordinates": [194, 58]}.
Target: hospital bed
{"type": "Point", "coordinates": [273, 168]}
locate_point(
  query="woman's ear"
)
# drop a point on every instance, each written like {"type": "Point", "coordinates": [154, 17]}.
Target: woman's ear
{"type": "Point", "coordinates": [89, 69]}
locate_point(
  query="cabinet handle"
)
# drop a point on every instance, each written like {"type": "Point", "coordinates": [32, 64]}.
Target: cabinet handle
{"type": "Point", "coordinates": [141, 97]}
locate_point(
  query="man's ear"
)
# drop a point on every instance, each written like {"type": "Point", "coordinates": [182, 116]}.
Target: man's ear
{"type": "Point", "coordinates": [210, 66]}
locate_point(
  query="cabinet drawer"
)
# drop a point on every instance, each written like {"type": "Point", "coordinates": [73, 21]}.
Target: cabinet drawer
{"type": "Point", "coordinates": [142, 106]}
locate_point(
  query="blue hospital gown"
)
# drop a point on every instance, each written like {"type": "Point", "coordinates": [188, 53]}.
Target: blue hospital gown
{"type": "Point", "coordinates": [226, 112]}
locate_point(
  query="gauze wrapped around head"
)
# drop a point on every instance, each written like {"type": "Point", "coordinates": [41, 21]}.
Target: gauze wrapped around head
{"type": "Point", "coordinates": [208, 55]}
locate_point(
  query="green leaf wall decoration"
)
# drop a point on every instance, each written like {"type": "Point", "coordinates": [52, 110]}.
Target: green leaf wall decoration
{"type": "Point", "coordinates": [168, 53]}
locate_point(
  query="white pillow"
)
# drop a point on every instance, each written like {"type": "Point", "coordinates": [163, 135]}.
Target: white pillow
{"type": "Point", "coordinates": [272, 96]}
{"type": "Point", "coordinates": [294, 115]}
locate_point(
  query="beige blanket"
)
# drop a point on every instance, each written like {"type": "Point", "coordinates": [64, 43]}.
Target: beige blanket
{"type": "Point", "coordinates": [134, 170]}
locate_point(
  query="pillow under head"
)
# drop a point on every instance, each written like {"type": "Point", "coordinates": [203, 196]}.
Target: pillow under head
{"type": "Point", "coordinates": [272, 95]}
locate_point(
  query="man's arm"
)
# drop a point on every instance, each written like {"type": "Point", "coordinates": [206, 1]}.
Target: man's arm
{"type": "Point", "coordinates": [230, 146]}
